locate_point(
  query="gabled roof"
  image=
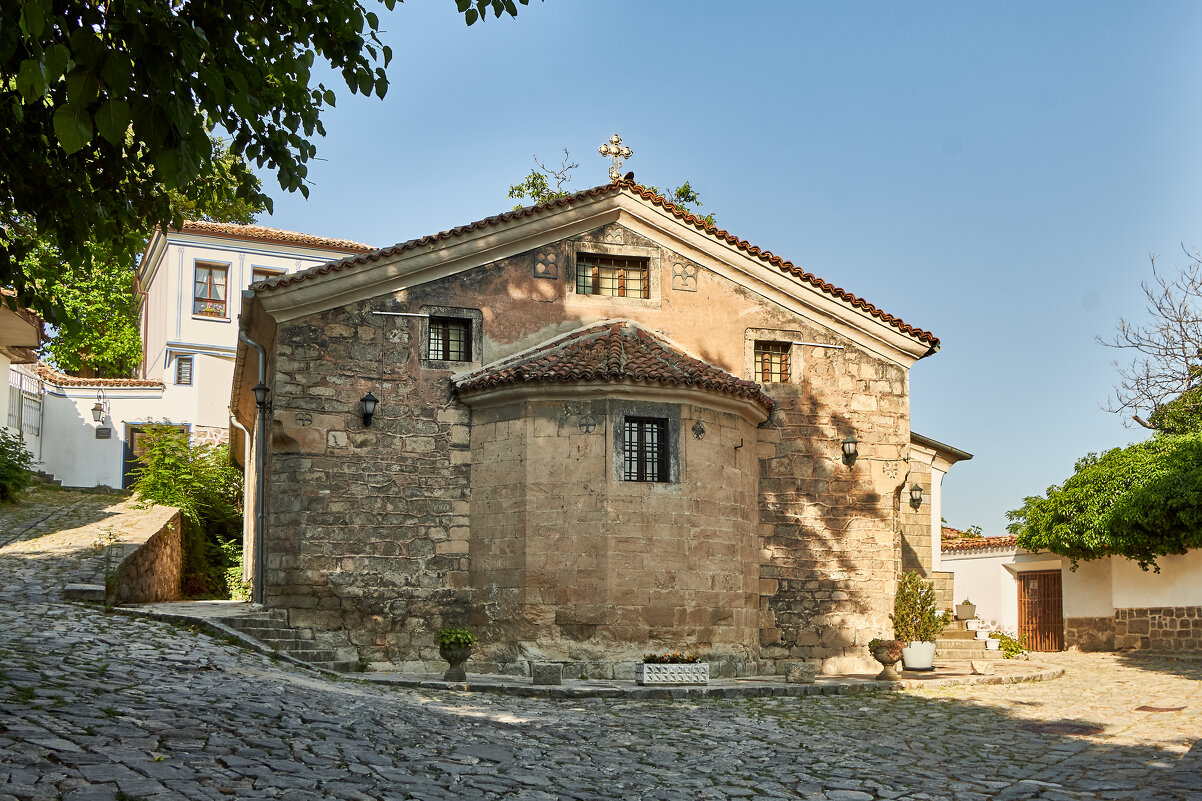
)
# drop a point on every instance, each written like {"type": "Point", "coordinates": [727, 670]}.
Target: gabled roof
{"type": "Point", "coordinates": [611, 351]}
{"type": "Point", "coordinates": [769, 259]}
{"type": "Point", "coordinates": [259, 233]}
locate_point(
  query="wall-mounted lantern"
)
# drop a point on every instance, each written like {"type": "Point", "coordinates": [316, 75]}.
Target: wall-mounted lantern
{"type": "Point", "coordinates": [369, 402]}
{"type": "Point", "coordinates": [915, 496]}
{"type": "Point", "coordinates": [850, 452]}
{"type": "Point", "coordinates": [260, 389]}
{"type": "Point", "coordinates": [101, 409]}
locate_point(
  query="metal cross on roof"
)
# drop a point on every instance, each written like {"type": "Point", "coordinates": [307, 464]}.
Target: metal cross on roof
{"type": "Point", "coordinates": [617, 151]}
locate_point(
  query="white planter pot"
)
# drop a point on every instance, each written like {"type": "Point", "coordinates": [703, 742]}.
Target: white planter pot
{"type": "Point", "coordinates": [993, 645]}
{"type": "Point", "coordinates": [919, 656]}
{"type": "Point", "coordinates": [973, 624]}
{"type": "Point", "coordinates": [694, 673]}
{"type": "Point", "coordinates": [966, 611]}
{"type": "Point", "coordinates": [982, 634]}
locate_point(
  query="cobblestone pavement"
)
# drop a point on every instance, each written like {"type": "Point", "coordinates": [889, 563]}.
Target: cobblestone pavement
{"type": "Point", "coordinates": [96, 706]}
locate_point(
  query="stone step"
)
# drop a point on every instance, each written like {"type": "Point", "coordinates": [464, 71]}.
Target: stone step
{"type": "Point", "coordinates": [266, 633]}
{"type": "Point", "coordinates": [341, 666]}
{"type": "Point", "coordinates": [91, 593]}
{"type": "Point", "coordinates": [961, 645]}
{"type": "Point", "coordinates": [314, 656]}
{"type": "Point", "coordinates": [965, 656]}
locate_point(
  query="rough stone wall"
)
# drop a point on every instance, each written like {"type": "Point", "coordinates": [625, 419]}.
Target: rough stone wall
{"type": "Point", "coordinates": [571, 564]}
{"type": "Point", "coordinates": [916, 534]}
{"type": "Point", "coordinates": [209, 435]}
{"type": "Point", "coordinates": [1170, 628]}
{"type": "Point", "coordinates": [1089, 633]}
{"type": "Point", "coordinates": [151, 573]}
{"type": "Point", "coordinates": [830, 529]}
{"type": "Point", "coordinates": [367, 525]}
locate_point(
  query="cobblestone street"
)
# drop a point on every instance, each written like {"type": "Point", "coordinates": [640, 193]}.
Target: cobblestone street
{"type": "Point", "coordinates": [96, 706]}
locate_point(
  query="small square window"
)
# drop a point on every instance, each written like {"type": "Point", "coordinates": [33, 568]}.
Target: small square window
{"type": "Point", "coordinates": [183, 370]}
{"type": "Point", "coordinates": [613, 276]}
{"type": "Point", "coordinates": [645, 449]}
{"type": "Point", "coordinates": [209, 296]}
{"type": "Point", "coordinates": [258, 274]}
{"type": "Point", "coordinates": [772, 362]}
{"type": "Point", "coordinates": [450, 340]}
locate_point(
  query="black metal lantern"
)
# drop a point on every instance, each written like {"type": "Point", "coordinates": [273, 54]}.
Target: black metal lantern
{"type": "Point", "coordinates": [916, 496]}
{"type": "Point", "coordinates": [260, 390]}
{"type": "Point", "coordinates": [101, 407]}
{"type": "Point", "coordinates": [369, 402]}
{"type": "Point", "coordinates": [849, 448]}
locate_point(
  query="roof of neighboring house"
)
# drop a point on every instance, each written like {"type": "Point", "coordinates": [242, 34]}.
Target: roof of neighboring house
{"type": "Point", "coordinates": [52, 376]}
{"type": "Point", "coordinates": [611, 351]}
{"type": "Point", "coordinates": [261, 233]}
{"type": "Point", "coordinates": [765, 256]}
{"type": "Point", "coordinates": [954, 540]}
{"type": "Point", "coordinates": [950, 453]}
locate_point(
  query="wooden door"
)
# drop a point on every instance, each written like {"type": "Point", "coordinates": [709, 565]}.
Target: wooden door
{"type": "Point", "coordinates": [1040, 610]}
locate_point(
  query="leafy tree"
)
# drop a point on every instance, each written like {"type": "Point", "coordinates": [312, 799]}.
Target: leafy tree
{"type": "Point", "coordinates": [537, 187]}
{"type": "Point", "coordinates": [1140, 502]}
{"type": "Point", "coordinates": [99, 295]}
{"type": "Point", "coordinates": [16, 466]}
{"type": "Point", "coordinates": [105, 108]}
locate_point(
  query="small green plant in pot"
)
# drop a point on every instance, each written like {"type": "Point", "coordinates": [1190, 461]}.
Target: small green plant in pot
{"type": "Point", "coordinates": [966, 610]}
{"type": "Point", "coordinates": [915, 621]}
{"type": "Point", "coordinates": [455, 646]}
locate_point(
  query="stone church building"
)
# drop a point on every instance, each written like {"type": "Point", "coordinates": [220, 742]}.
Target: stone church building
{"type": "Point", "coordinates": [601, 428]}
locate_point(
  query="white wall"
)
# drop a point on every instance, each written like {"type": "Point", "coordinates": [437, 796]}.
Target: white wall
{"type": "Point", "coordinates": [1179, 582]}
{"type": "Point", "coordinates": [70, 450]}
{"type": "Point", "coordinates": [1088, 590]}
{"type": "Point", "coordinates": [989, 579]}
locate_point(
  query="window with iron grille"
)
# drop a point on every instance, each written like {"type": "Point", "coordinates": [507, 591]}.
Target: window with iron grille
{"type": "Point", "coordinates": [772, 362]}
{"type": "Point", "coordinates": [645, 449]}
{"type": "Point", "coordinates": [183, 370]}
{"type": "Point", "coordinates": [450, 339]}
{"type": "Point", "coordinates": [209, 295]}
{"type": "Point", "coordinates": [615, 276]}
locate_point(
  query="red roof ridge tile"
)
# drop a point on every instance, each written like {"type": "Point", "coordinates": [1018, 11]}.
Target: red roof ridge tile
{"type": "Point", "coordinates": [278, 235]}
{"type": "Point", "coordinates": [978, 543]}
{"type": "Point", "coordinates": [52, 376]}
{"type": "Point", "coordinates": [766, 256]}
{"type": "Point", "coordinates": [611, 350]}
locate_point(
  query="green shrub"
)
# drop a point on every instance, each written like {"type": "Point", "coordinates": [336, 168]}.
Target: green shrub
{"type": "Point", "coordinates": [207, 489]}
{"type": "Point", "coordinates": [1010, 647]}
{"type": "Point", "coordinates": [16, 465]}
{"type": "Point", "coordinates": [914, 618]}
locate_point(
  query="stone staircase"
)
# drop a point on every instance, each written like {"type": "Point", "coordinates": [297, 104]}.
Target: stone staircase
{"type": "Point", "coordinates": [270, 627]}
{"type": "Point", "coordinates": [958, 644]}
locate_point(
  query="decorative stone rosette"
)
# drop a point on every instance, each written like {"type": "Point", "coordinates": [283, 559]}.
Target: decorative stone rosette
{"type": "Point", "coordinates": [692, 673]}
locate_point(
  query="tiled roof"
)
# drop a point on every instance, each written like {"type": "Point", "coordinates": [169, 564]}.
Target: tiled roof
{"type": "Point", "coordinates": [264, 234]}
{"type": "Point", "coordinates": [612, 351]}
{"type": "Point", "coordinates": [955, 540]}
{"type": "Point", "coordinates": [765, 256]}
{"type": "Point", "coordinates": [52, 376]}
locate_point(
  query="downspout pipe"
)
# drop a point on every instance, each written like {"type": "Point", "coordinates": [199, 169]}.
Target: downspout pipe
{"type": "Point", "coordinates": [247, 520]}
{"type": "Point", "coordinates": [260, 478]}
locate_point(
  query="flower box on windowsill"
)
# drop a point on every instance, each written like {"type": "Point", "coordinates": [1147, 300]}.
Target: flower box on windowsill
{"type": "Point", "coordinates": [688, 673]}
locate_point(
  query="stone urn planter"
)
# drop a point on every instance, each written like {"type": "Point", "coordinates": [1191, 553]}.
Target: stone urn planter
{"type": "Point", "coordinates": [888, 653]}
{"type": "Point", "coordinates": [672, 669]}
{"type": "Point", "coordinates": [455, 646]}
{"type": "Point", "coordinates": [966, 610]}
{"type": "Point", "coordinates": [919, 655]}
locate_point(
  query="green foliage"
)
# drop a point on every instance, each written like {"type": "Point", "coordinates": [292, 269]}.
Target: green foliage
{"type": "Point", "coordinates": [1140, 502]}
{"type": "Point", "coordinates": [1181, 415]}
{"type": "Point", "coordinates": [674, 658]}
{"type": "Point", "coordinates": [106, 108]}
{"type": "Point", "coordinates": [914, 617]}
{"type": "Point", "coordinates": [455, 638]}
{"type": "Point", "coordinates": [16, 464]}
{"type": "Point", "coordinates": [207, 489]}
{"type": "Point", "coordinates": [538, 189]}
{"type": "Point", "coordinates": [1010, 647]}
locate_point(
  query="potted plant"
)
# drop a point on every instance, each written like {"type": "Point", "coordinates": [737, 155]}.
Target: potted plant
{"type": "Point", "coordinates": [887, 652]}
{"type": "Point", "coordinates": [455, 646]}
{"type": "Point", "coordinates": [915, 621]}
{"type": "Point", "coordinates": [966, 610]}
{"type": "Point", "coordinates": [672, 668]}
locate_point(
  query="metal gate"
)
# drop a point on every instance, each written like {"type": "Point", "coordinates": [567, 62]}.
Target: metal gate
{"type": "Point", "coordinates": [1040, 610]}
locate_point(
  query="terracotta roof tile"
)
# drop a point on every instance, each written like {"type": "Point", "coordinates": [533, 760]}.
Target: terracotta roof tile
{"type": "Point", "coordinates": [52, 376]}
{"type": "Point", "coordinates": [264, 234]}
{"type": "Point", "coordinates": [954, 540]}
{"type": "Point", "coordinates": [764, 256]}
{"type": "Point", "coordinates": [612, 351]}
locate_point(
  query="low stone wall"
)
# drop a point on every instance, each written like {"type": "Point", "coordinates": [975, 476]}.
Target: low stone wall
{"type": "Point", "coordinates": [1089, 633]}
{"type": "Point", "coordinates": [1170, 628]}
{"type": "Point", "coordinates": [152, 552]}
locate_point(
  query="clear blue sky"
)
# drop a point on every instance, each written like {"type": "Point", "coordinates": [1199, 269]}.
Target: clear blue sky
{"type": "Point", "coordinates": [996, 173]}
